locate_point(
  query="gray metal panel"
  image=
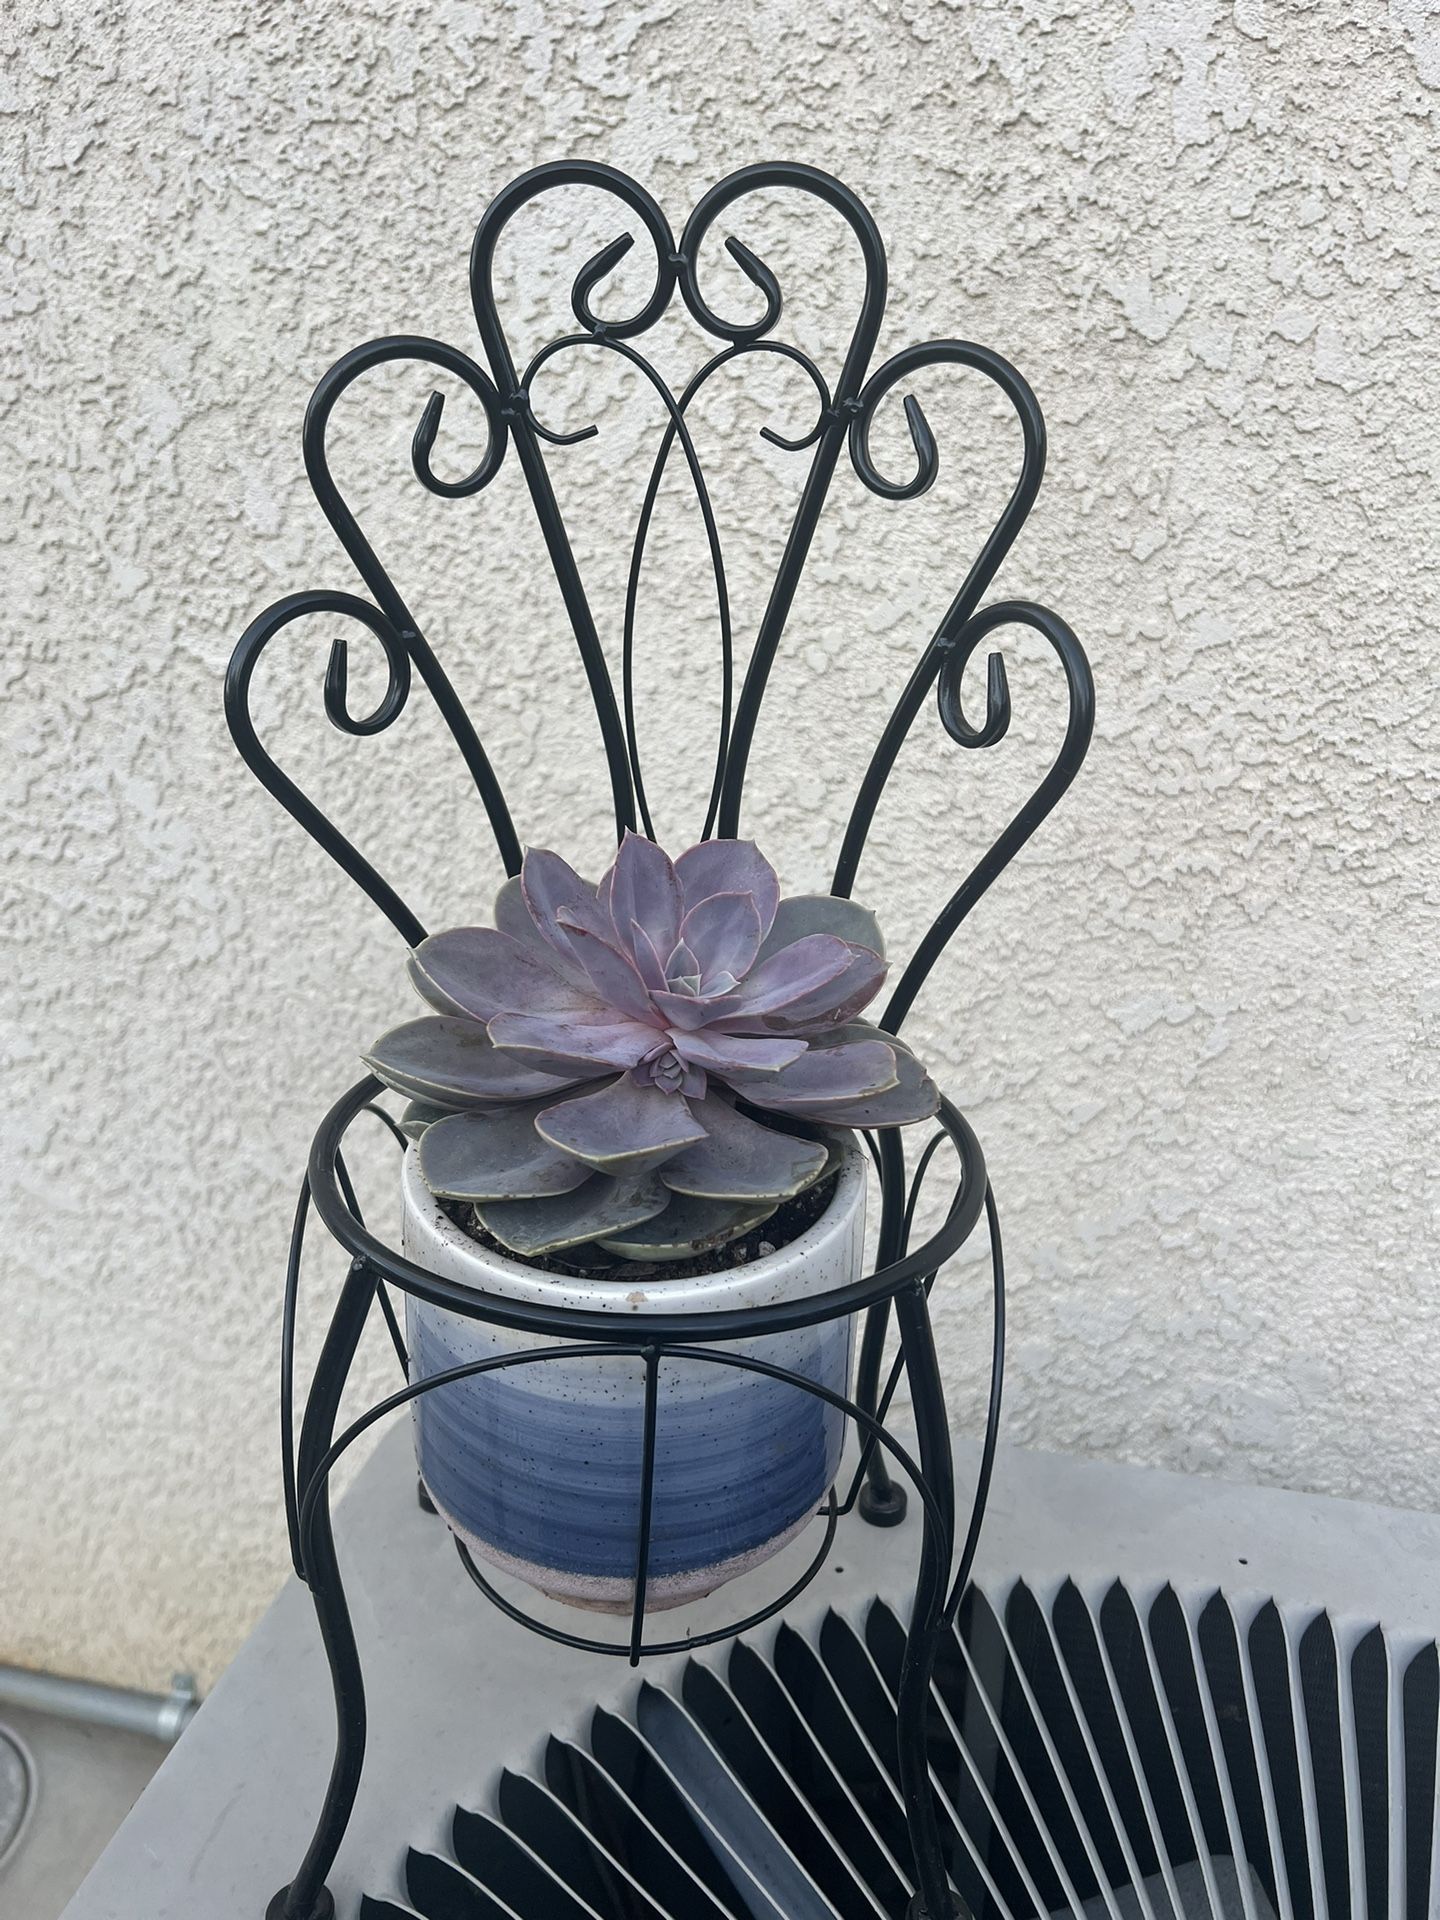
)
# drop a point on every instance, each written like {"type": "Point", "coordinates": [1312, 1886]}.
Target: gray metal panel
{"type": "Point", "coordinates": [457, 1692]}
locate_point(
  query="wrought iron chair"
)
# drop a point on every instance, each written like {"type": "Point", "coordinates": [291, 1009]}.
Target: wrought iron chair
{"type": "Point", "coordinates": [904, 1274]}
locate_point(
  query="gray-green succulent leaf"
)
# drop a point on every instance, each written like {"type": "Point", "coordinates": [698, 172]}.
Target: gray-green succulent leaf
{"type": "Point", "coordinates": [496, 1156]}
{"type": "Point", "coordinates": [739, 1160]}
{"type": "Point", "coordinates": [419, 1115]}
{"type": "Point", "coordinates": [593, 1211]}
{"type": "Point", "coordinates": [687, 1227]}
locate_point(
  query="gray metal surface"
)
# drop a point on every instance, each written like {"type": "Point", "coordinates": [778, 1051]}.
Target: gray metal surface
{"type": "Point", "coordinates": [86, 1780]}
{"type": "Point", "coordinates": [457, 1692]}
{"type": "Point", "coordinates": [17, 1790]}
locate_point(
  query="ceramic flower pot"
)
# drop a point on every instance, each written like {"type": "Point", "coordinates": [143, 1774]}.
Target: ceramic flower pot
{"type": "Point", "coordinates": [537, 1467]}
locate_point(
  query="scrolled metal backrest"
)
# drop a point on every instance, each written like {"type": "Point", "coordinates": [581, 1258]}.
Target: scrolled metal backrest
{"type": "Point", "coordinates": [845, 417]}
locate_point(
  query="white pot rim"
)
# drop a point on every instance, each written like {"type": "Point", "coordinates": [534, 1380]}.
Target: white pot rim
{"type": "Point", "coordinates": [433, 1240]}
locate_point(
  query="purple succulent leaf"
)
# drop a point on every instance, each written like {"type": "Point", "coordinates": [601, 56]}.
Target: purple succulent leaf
{"type": "Point", "coordinates": [452, 1063]}
{"type": "Point", "coordinates": [549, 884]}
{"type": "Point", "coordinates": [624, 1128]}
{"type": "Point", "coordinates": [798, 971]}
{"type": "Point", "coordinates": [867, 1030]}
{"type": "Point", "coordinates": [739, 1159]}
{"type": "Point", "coordinates": [601, 1206]}
{"type": "Point", "coordinates": [648, 963]}
{"type": "Point", "coordinates": [419, 1115]}
{"type": "Point", "coordinates": [495, 1156]}
{"type": "Point", "coordinates": [687, 1227]}
{"type": "Point", "coordinates": [682, 969]}
{"type": "Point", "coordinates": [612, 974]}
{"type": "Point", "coordinates": [822, 1075]}
{"type": "Point", "coordinates": [729, 866]}
{"type": "Point", "coordinates": [510, 914]}
{"type": "Point", "coordinates": [914, 1097]}
{"type": "Point", "coordinates": [663, 1067]}
{"type": "Point", "coordinates": [644, 890]}
{"type": "Point", "coordinates": [801, 971]}
{"type": "Point", "coordinates": [688, 1011]}
{"type": "Point", "coordinates": [726, 1053]}
{"type": "Point", "coordinates": [830, 1006]}
{"type": "Point", "coordinates": [800, 914]}
{"type": "Point", "coordinates": [513, 917]}
{"type": "Point", "coordinates": [723, 935]}
{"type": "Point", "coordinates": [477, 972]}
{"type": "Point", "coordinates": [576, 1048]}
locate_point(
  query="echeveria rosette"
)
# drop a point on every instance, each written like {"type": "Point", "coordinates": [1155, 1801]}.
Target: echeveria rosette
{"type": "Point", "coordinates": [578, 1078]}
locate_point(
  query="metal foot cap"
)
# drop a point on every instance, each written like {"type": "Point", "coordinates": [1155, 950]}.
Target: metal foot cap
{"type": "Point", "coordinates": [917, 1909]}
{"type": "Point", "coordinates": [422, 1497]}
{"type": "Point", "coordinates": [883, 1507]}
{"type": "Point", "coordinates": [323, 1909]}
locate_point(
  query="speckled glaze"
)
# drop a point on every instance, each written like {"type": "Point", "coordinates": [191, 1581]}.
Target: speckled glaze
{"type": "Point", "coordinates": [537, 1468]}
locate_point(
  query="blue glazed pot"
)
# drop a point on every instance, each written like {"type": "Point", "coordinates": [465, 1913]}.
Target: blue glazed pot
{"type": "Point", "coordinates": [537, 1467]}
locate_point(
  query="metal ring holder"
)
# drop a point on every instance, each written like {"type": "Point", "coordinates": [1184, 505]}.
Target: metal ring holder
{"type": "Point", "coordinates": [904, 1275]}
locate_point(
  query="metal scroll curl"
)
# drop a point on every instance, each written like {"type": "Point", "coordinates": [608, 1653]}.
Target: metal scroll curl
{"type": "Point", "coordinates": [296, 802]}
{"type": "Point", "coordinates": [1080, 723]}
{"type": "Point", "coordinates": [676, 429]}
{"type": "Point", "coordinates": [955, 353]}
{"type": "Point", "coordinates": [845, 416]}
{"type": "Point", "coordinates": [525, 431]}
{"type": "Point", "coordinates": [387, 617]}
{"type": "Point", "coordinates": [797, 443]}
{"type": "Point", "coordinates": [828, 442]}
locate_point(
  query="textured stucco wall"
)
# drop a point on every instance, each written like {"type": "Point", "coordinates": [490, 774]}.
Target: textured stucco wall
{"type": "Point", "coordinates": [1197, 1027]}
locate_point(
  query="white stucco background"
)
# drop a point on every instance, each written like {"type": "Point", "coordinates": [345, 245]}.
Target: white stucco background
{"type": "Point", "coordinates": [1197, 1024]}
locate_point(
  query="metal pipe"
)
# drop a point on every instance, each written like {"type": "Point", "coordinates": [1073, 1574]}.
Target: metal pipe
{"type": "Point", "coordinates": [159, 1716]}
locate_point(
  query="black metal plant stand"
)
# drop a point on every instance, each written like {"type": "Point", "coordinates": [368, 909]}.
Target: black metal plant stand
{"type": "Point", "coordinates": [904, 1274]}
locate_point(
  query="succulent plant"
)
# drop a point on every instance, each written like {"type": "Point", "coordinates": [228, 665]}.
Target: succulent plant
{"type": "Point", "coordinates": [594, 1063]}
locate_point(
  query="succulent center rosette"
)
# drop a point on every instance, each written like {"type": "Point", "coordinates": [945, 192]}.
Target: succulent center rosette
{"type": "Point", "coordinates": [598, 1064]}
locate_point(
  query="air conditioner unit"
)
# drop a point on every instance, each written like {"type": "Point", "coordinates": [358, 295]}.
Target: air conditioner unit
{"type": "Point", "coordinates": [1166, 1697]}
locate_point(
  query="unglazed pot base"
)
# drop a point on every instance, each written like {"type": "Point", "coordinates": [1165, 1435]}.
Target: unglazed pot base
{"type": "Point", "coordinates": [536, 1467]}
{"type": "Point", "coordinates": [594, 1594]}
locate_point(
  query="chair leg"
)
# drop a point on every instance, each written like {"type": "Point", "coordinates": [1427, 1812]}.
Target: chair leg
{"type": "Point", "coordinates": [307, 1897]}
{"type": "Point", "coordinates": [936, 1898]}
